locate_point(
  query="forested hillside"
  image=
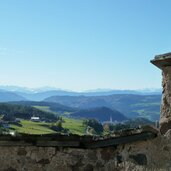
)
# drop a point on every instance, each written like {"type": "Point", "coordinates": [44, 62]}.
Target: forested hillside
{"type": "Point", "coordinates": [147, 106]}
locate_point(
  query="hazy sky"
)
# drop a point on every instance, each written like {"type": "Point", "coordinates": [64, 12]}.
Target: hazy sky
{"type": "Point", "coordinates": [83, 44]}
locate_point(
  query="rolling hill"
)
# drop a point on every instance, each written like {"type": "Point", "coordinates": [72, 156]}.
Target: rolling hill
{"type": "Point", "coordinates": [101, 114]}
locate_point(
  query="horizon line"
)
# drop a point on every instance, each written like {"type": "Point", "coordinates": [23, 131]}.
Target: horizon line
{"type": "Point", "coordinates": [79, 91]}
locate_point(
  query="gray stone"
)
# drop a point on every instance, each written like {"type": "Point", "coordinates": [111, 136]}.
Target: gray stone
{"type": "Point", "coordinates": [88, 167]}
{"type": "Point", "coordinates": [10, 169]}
{"type": "Point", "coordinates": [168, 134]}
{"type": "Point", "coordinates": [44, 161]}
{"type": "Point", "coordinates": [22, 152]}
{"type": "Point", "coordinates": [140, 159]}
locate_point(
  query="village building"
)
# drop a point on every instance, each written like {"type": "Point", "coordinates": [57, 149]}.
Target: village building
{"type": "Point", "coordinates": [35, 119]}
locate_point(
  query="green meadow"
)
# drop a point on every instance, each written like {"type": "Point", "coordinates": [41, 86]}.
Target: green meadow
{"type": "Point", "coordinates": [28, 127]}
{"type": "Point", "coordinates": [75, 126]}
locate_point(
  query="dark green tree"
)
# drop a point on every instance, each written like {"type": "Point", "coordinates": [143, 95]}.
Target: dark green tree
{"type": "Point", "coordinates": [97, 126]}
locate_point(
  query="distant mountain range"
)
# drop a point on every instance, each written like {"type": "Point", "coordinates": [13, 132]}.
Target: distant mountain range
{"type": "Point", "coordinates": [40, 94]}
{"type": "Point", "coordinates": [44, 89]}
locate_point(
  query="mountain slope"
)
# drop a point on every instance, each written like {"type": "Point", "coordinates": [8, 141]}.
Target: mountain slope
{"type": "Point", "coordinates": [79, 101]}
{"type": "Point", "coordinates": [102, 114]}
{"type": "Point", "coordinates": [54, 107]}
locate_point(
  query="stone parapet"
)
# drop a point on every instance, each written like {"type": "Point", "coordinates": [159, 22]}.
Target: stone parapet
{"type": "Point", "coordinates": [87, 142]}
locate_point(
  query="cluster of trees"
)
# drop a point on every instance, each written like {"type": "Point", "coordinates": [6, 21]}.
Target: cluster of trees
{"type": "Point", "coordinates": [132, 123]}
{"type": "Point", "coordinates": [3, 130]}
{"type": "Point", "coordinates": [96, 128]}
{"type": "Point", "coordinates": [57, 126]}
{"type": "Point", "coordinates": [108, 128]}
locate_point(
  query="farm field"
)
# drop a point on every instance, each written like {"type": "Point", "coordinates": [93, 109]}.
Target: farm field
{"type": "Point", "coordinates": [28, 127]}
{"type": "Point", "coordinates": [75, 126]}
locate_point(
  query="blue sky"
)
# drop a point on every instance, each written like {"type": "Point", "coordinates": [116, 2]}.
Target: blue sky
{"type": "Point", "coordinates": [83, 44]}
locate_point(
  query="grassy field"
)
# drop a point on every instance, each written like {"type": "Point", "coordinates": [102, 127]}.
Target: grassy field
{"type": "Point", "coordinates": [29, 127]}
{"type": "Point", "coordinates": [75, 126]}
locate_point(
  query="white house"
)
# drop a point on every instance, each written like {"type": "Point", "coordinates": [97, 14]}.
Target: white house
{"type": "Point", "coordinates": [35, 119]}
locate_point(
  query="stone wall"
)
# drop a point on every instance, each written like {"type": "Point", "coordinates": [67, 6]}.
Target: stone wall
{"type": "Point", "coordinates": [165, 117]}
{"type": "Point", "coordinates": [142, 155]}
